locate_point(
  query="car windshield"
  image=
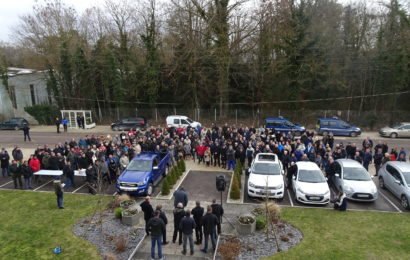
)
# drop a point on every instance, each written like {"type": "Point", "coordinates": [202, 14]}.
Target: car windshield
{"type": "Point", "coordinates": [355, 174]}
{"type": "Point", "coordinates": [139, 165]}
{"type": "Point", "coordinates": [287, 123]}
{"type": "Point", "coordinates": [395, 125]}
{"type": "Point", "coordinates": [189, 120]}
{"type": "Point", "coordinates": [266, 168]}
{"type": "Point", "coordinates": [407, 177]}
{"type": "Point", "coordinates": [314, 176]}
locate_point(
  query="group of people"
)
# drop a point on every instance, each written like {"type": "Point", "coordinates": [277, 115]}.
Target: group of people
{"type": "Point", "coordinates": [205, 223]}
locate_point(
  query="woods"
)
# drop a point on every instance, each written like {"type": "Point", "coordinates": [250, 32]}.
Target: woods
{"type": "Point", "coordinates": [219, 54]}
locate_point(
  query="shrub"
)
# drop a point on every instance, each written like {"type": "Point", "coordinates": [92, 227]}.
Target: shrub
{"type": "Point", "coordinates": [238, 177]}
{"type": "Point", "coordinates": [183, 166]}
{"type": "Point", "coordinates": [45, 114]}
{"type": "Point", "coordinates": [273, 209]}
{"type": "Point", "coordinates": [235, 190]}
{"type": "Point", "coordinates": [260, 222]}
{"type": "Point", "coordinates": [118, 212]}
{"type": "Point", "coordinates": [173, 178]}
{"type": "Point", "coordinates": [165, 186]}
{"type": "Point", "coordinates": [121, 243]}
{"type": "Point", "coordinates": [179, 172]}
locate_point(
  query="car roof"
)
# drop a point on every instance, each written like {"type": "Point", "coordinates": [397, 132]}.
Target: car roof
{"type": "Point", "coordinates": [258, 159]}
{"type": "Point", "coordinates": [402, 166]}
{"type": "Point", "coordinates": [279, 118]}
{"type": "Point", "coordinates": [335, 118]}
{"type": "Point", "coordinates": [175, 116]}
{"type": "Point", "coordinates": [145, 156]}
{"type": "Point", "coordinates": [307, 166]}
{"type": "Point", "coordinates": [349, 163]}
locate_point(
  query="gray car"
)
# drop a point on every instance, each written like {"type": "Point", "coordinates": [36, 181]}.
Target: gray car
{"type": "Point", "coordinates": [398, 130]}
{"type": "Point", "coordinates": [395, 176]}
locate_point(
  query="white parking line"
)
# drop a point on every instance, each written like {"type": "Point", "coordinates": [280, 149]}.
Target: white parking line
{"type": "Point", "coordinates": [115, 193]}
{"type": "Point", "coordinates": [384, 196]}
{"type": "Point", "coordinates": [6, 184]}
{"type": "Point", "coordinates": [290, 198]}
{"type": "Point", "coordinates": [79, 188]}
{"type": "Point", "coordinates": [42, 185]}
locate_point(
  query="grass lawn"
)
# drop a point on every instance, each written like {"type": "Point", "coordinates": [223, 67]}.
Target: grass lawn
{"type": "Point", "coordinates": [31, 225]}
{"type": "Point", "coordinates": [330, 234]}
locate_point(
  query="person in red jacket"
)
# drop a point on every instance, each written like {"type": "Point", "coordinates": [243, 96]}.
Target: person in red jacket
{"type": "Point", "coordinates": [200, 150]}
{"type": "Point", "coordinates": [35, 164]}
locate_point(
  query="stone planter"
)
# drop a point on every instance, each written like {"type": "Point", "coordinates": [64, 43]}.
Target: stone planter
{"type": "Point", "coordinates": [246, 228]}
{"type": "Point", "coordinates": [128, 204]}
{"type": "Point", "coordinates": [130, 218]}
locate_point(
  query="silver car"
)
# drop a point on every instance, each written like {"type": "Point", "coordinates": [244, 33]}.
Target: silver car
{"type": "Point", "coordinates": [398, 130]}
{"type": "Point", "coordinates": [395, 176]}
{"type": "Point", "coordinates": [353, 179]}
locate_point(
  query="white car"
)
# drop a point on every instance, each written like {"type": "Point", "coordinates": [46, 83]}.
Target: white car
{"type": "Point", "coordinates": [353, 179]}
{"type": "Point", "coordinates": [181, 121]}
{"type": "Point", "coordinates": [266, 177]}
{"type": "Point", "coordinates": [310, 185]}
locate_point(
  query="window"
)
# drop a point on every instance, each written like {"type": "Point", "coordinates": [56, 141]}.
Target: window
{"type": "Point", "coordinates": [184, 122]}
{"type": "Point", "coordinates": [325, 123]}
{"type": "Point", "coordinates": [33, 95]}
{"type": "Point", "coordinates": [333, 124]}
{"type": "Point", "coordinates": [407, 127]}
{"type": "Point", "coordinates": [393, 172]}
{"type": "Point", "coordinates": [176, 121]}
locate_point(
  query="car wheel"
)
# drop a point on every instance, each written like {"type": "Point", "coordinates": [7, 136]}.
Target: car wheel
{"type": "Point", "coordinates": [381, 183]}
{"type": "Point", "coordinates": [150, 189]}
{"type": "Point", "coordinates": [116, 128]}
{"type": "Point", "coordinates": [393, 135]}
{"type": "Point", "coordinates": [405, 202]}
{"type": "Point", "coordinates": [325, 133]}
{"type": "Point", "coordinates": [353, 134]}
{"type": "Point", "coordinates": [16, 128]}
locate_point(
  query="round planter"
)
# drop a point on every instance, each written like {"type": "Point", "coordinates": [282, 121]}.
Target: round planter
{"type": "Point", "coordinates": [130, 220]}
{"type": "Point", "coordinates": [246, 229]}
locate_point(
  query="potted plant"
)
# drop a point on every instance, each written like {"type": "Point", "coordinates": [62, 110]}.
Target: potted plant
{"type": "Point", "coordinates": [246, 224]}
{"type": "Point", "coordinates": [130, 217]}
{"type": "Point", "coordinates": [126, 204]}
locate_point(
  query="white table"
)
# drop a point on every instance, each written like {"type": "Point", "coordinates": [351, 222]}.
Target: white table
{"type": "Point", "coordinates": [49, 173]}
{"type": "Point", "coordinates": [80, 173]}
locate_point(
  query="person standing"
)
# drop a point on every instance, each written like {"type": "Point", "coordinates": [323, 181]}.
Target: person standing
{"type": "Point", "coordinates": [27, 174]}
{"type": "Point", "coordinates": [341, 202]}
{"type": "Point", "coordinates": [26, 132]}
{"type": "Point", "coordinates": [15, 171]}
{"type": "Point", "coordinates": [218, 211]}
{"type": "Point", "coordinates": [17, 154]}
{"type": "Point", "coordinates": [156, 227]}
{"type": "Point", "coordinates": [35, 164]}
{"type": "Point", "coordinates": [4, 162]}
{"type": "Point", "coordinates": [57, 123]}
{"type": "Point", "coordinates": [209, 222]}
{"type": "Point", "coordinates": [78, 121]}
{"type": "Point", "coordinates": [165, 219]}
{"type": "Point", "coordinates": [377, 159]}
{"type": "Point", "coordinates": [179, 213]}
{"type": "Point", "coordinates": [180, 196]}
{"type": "Point", "coordinates": [68, 172]}
{"type": "Point", "coordinates": [230, 156]}
{"type": "Point", "coordinates": [197, 213]}
{"type": "Point", "coordinates": [82, 122]}
{"type": "Point", "coordinates": [146, 207]}
{"type": "Point", "coordinates": [187, 225]}
{"type": "Point", "coordinates": [65, 124]}
{"type": "Point", "coordinates": [58, 189]}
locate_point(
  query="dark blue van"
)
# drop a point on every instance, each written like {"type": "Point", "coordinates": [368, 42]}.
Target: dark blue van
{"type": "Point", "coordinates": [336, 126]}
{"type": "Point", "coordinates": [282, 125]}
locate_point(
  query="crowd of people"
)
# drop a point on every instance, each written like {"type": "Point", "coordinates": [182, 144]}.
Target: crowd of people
{"type": "Point", "coordinates": [205, 224]}
{"type": "Point", "coordinates": [107, 156]}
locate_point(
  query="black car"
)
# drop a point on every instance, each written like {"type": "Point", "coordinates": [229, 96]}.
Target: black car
{"type": "Point", "coordinates": [15, 123]}
{"type": "Point", "coordinates": [130, 123]}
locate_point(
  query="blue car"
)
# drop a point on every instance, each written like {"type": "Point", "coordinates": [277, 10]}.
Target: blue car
{"type": "Point", "coordinates": [282, 125]}
{"type": "Point", "coordinates": [143, 173]}
{"type": "Point", "coordinates": [336, 126]}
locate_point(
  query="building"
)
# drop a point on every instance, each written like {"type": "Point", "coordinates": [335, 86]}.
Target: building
{"type": "Point", "coordinates": [28, 88]}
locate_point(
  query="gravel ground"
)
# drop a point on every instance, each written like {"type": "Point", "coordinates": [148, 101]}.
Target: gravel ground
{"type": "Point", "coordinates": [256, 246]}
{"type": "Point", "coordinates": [103, 231]}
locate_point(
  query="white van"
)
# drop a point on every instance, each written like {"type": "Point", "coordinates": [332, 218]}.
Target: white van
{"type": "Point", "coordinates": [181, 121]}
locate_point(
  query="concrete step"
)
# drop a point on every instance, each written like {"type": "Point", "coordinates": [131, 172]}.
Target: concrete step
{"type": "Point", "coordinates": [196, 256]}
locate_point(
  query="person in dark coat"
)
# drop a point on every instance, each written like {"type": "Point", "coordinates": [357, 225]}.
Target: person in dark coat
{"type": "Point", "coordinates": [197, 213]}
{"type": "Point", "coordinates": [83, 162]}
{"type": "Point", "coordinates": [187, 225]}
{"type": "Point", "coordinates": [290, 173]}
{"type": "Point", "coordinates": [58, 190]}
{"type": "Point", "coordinates": [330, 170]}
{"type": "Point", "coordinates": [209, 222]}
{"type": "Point", "coordinates": [146, 207]}
{"type": "Point", "coordinates": [377, 159]}
{"type": "Point", "coordinates": [27, 174]}
{"type": "Point", "coordinates": [156, 227]}
{"type": "Point", "coordinates": [165, 219]}
{"type": "Point", "coordinates": [4, 162]}
{"type": "Point", "coordinates": [26, 132]}
{"type": "Point", "coordinates": [180, 196]}
{"type": "Point", "coordinates": [53, 162]}
{"type": "Point", "coordinates": [218, 211]}
{"type": "Point", "coordinates": [57, 123]}
{"type": "Point", "coordinates": [17, 154]}
{"type": "Point", "coordinates": [15, 171]}
{"type": "Point", "coordinates": [68, 172]}
{"type": "Point", "coordinates": [367, 159]}
{"type": "Point", "coordinates": [179, 213]}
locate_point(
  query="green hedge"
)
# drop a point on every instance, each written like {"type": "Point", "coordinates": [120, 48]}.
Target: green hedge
{"type": "Point", "coordinates": [44, 114]}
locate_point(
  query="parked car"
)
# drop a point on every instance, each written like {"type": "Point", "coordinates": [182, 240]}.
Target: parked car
{"type": "Point", "coordinates": [143, 173]}
{"type": "Point", "coordinates": [310, 185]}
{"type": "Point", "coordinates": [130, 123]}
{"type": "Point", "coordinates": [282, 125]}
{"type": "Point", "coordinates": [15, 123]}
{"type": "Point", "coordinates": [336, 126]}
{"type": "Point", "coordinates": [395, 176]}
{"type": "Point", "coordinates": [266, 177]}
{"type": "Point", "coordinates": [397, 130]}
{"type": "Point", "coordinates": [181, 121]}
{"type": "Point", "coordinates": [353, 179]}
